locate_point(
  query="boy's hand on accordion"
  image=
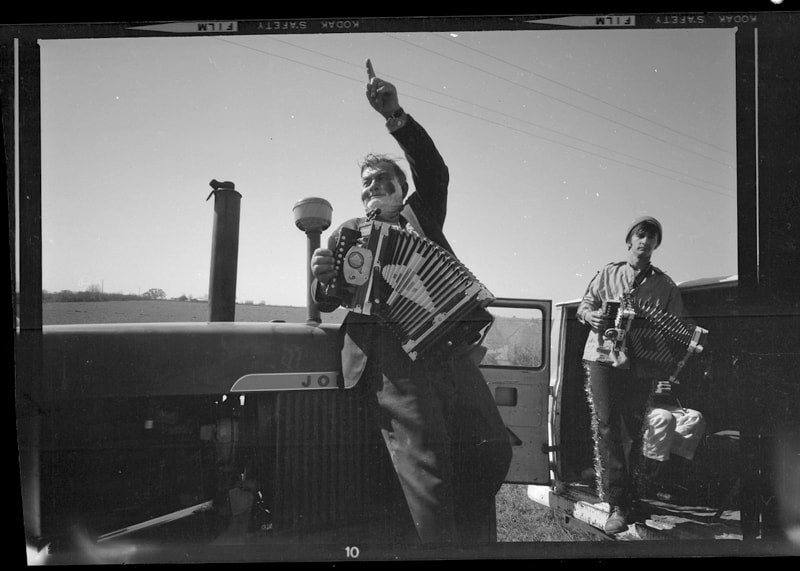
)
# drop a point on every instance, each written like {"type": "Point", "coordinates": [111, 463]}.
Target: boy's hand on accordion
{"type": "Point", "coordinates": [322, 265]}
{"type": "Point", "coordinates": [597, 320]}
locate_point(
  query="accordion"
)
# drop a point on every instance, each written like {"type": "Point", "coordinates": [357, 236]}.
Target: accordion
{"type": "Point", "coordinates": [651, 335]}
{"type": "Point", "coordinates": [429, 300]}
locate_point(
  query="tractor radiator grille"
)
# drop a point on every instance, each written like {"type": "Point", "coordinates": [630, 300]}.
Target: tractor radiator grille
{"type": "Point", "coordinates": [330, 463]}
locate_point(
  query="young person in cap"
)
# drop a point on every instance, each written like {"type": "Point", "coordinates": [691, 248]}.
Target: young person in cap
{"type": "Point", "coordinates": [618, 388]}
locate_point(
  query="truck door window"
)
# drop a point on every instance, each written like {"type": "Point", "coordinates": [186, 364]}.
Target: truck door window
{"type": "Point", "coordinates": [515, 338]}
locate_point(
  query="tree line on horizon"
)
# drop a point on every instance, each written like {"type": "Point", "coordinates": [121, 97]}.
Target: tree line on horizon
{"type": "Point", "coordinates": [96, 294]}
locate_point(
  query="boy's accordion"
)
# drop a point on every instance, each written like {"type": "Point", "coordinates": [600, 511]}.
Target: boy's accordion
{"type": "Point", "coordinates": [650, 334]}
{"type": "Point", "coordinates": [426, 296]}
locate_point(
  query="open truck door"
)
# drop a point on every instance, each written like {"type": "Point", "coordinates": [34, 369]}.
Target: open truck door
{"type": "Point", "coordinates": [516, 367]}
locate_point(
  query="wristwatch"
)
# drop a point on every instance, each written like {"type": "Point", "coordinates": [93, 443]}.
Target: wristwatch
{"type": "Point", "coordinates": [396, 120]}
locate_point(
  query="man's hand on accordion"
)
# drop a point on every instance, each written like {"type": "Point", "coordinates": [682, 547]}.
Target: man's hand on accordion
{"type": "Point", "coordinates": [322, 265]}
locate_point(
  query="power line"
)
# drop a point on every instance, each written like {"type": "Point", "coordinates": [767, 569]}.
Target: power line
{"type": "Point", "coordinates": [522, 131]}
{"type": "Point", "coordinates": [290, 59]}
{"type": "Point", "coordinates": [589, 95]}
{"type": "Point", "coordinates": [547, 95]}
{"type": "Point", "coordinates": [512, 117]}
{"type": "Point", "coordinates": [725, 194]}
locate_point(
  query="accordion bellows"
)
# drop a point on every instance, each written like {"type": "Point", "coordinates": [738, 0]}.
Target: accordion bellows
{"type": "Point", "coordinates": [654, 335]}
{"type": "Point", "coordinates": [429, 299]}
{"type": "Point", "coordinates": [664, 338]}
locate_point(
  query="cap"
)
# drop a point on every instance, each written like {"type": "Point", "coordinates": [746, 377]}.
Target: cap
{"type": "Point", "coordinates": [641, 220]}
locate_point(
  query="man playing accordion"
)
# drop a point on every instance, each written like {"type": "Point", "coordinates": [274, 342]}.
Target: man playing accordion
{"type": "Point", "coordinates": [444, 434]}
{"type": "Point", "coordinates": [618, 384]}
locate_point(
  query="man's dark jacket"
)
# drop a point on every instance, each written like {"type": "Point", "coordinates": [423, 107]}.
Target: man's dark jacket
{"type": "Point", "coordinates": [424, 210]}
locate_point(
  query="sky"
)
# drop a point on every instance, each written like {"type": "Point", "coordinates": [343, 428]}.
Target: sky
{"type": "Point", "coordinates": [555, 141]}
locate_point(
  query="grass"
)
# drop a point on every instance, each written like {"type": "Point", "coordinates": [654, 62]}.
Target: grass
{"type": "Point", "coordinates": [521, 520]}
{"type": "Point", "coordinates": [144, 311]}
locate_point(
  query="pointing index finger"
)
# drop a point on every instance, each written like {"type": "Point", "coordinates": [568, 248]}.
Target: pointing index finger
{"type": "Point", "coordinates": [370, 71]}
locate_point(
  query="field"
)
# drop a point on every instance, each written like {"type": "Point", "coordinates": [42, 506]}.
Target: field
{"type": "Point", "coordinates": [144, 311]}
{"type": "Point", "coordinates": [518, 519]}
